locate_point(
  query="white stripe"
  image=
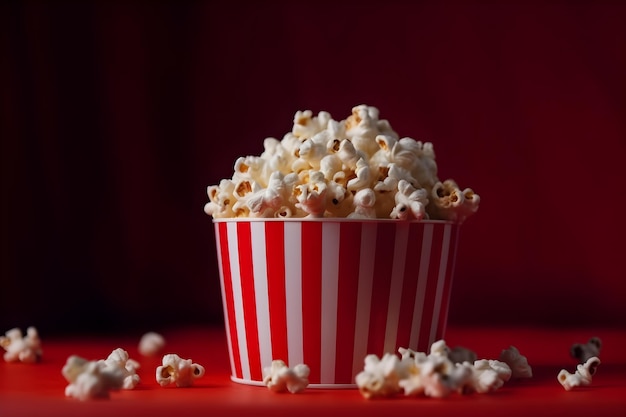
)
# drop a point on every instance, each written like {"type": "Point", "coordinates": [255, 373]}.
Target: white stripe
{"type": "Point", "coordinates": [226, 323]}
{"type": "Point", "coordinates": [395, 291]}
{"type": "Point", "coordinates": [240, 323]}
{"type": "Point", "coordinates": [330, 278]}
{"type": "Point", "coordinates": [293, 292]}
{"type": "Point", "coordinates": [421, 286]}
{"type": "Point", "coordinates": [259, 267]}
{"type": "Point", "coordinates": [443, 263]}
{"type": "Point", "coordinates": [364, 295]}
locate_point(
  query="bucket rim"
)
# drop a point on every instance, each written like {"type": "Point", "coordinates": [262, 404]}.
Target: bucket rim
{"type": "Point", "coordinates": [325, 220]}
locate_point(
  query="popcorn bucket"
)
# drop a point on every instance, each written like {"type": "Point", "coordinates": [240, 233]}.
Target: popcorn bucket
{"type": "Point", "coordinates": [327, 292]}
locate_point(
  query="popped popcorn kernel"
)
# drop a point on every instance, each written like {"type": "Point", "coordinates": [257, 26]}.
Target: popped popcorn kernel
{"type": "Point", "coordinates": [96, 378]}
{"type": "Point", "coordinates": [581, 377]}
{"type": "Point", "coordinates": [175, 370]}
{"type": "Point", "coordinates": [150, 344]}
{"type": "Point", "coordinates": [21, 348]}
{"type": "Point", "coordinates": [278, 377]}
{"type": "Point", "coordinates": [517, 362]}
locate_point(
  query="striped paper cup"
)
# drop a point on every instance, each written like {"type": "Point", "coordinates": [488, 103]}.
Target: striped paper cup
{"type": "Point", "coordinates": [327, 292]}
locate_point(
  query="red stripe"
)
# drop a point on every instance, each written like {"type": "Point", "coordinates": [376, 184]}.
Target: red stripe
{"type": "Point", "coordinates": [385, 242]}
{"type": "Point", "coordinates": [445, 302]}
{"type": "Point", "coordinates": [409, 289]}
{"type": "Point", "coordinates": [249, 299]}
{"type": "Point", "coordinates": [275, 250]}
{"type": "Point", "coordinates": [228, 294]}
{"type": "Point", "coordinates": [349, 259]}
{"type": "Point", "coordinates": [431, 289]}
{"type": "Point", "coordinates": [312, 297]}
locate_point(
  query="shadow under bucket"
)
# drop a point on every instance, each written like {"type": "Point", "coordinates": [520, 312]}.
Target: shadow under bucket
{"type": "Point", "coordinates": [327, 292]}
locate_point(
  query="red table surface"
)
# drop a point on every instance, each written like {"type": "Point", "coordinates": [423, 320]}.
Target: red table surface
{"type": "Point", "coordinates": [38, 389]}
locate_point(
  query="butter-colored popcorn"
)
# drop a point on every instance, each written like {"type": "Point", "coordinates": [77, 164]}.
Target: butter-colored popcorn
{"type": "Point", "coordinates": [21, 348]}
{"type": "Point", "coordinates": [305, 125]}
{"type": "Point", "coordinates": [91, 379]}
{"type": "Point", "coordinates": [358, 153]}
{"type": "Point", "coordinates": [517, 362]}
{"type": "Point", "coordinates": [362, 128]}
{"type": "Point", "coordinates": [450, 203]}
{"type": "Point", "coordinates": [175, 370]}
{"type": "Point", "coordinates": [581, 377]}
{"type": "Point", "coordinates": [119, 359]}
{"type": "Point", "coordinates": [221, 199]}
{"type": "Point", "coordinates": [150, 344]}
{"type": "Point", "coordinates": [278, 377]}
{"type": "Point", "coordinates": [363, 176]}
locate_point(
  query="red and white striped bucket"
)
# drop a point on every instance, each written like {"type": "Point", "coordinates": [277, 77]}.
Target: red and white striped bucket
{"type": "Point", "coordinates": [328, 292]}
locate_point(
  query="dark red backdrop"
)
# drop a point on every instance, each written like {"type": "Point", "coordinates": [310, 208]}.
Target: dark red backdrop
{"type": "Point", "coordinates": [116, 116]}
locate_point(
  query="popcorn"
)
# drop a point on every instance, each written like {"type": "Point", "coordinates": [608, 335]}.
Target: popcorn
{"type": "Point", "coordinates": [517, 362]}
{"type": "Point", "coordinates": [318, 168]}
{"type": "Point", "coordinates": [583, 352]}
{"type": "Point", "coordinates": [119, 360]}
{"type": "Point", "coordinates": [581, 377]}
{"type": "Point", "coordinates": [459, 354]}
{"type": "Point", "coordinates": [90, 379]}
{"type": "Point", "coordinates": [410, 203]}
{"type": "Point", "coordinates": [176, 370]}
{"type": "Point", "coordinates": [150, 344]}
{"type": "Point", "coordinates": [278, 377]}
{"type": "Point", "coordinates": [433, 375]}
{"type": "Point", "coordinates": [381, 376]}
{"type": "Point", "coordinates": [489, 375]}
{"type": "Point", "coordinates": [19, 348]}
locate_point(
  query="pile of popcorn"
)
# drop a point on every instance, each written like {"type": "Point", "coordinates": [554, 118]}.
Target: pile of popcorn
{"type": "Point", "coordinates": [436, 374]}
{"type": "Point", "coordinates": [356, 168]}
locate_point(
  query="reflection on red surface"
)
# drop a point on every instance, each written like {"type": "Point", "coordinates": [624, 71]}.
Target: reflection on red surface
{"type": "Point", "coordinates": [31, 390]}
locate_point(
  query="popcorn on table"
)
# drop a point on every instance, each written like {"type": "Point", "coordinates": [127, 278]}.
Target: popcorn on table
{"type": "Point", "coordinates": [583, 352]}
{"type": "Point", "coordinates": [95, 379]}
{"type": "Point", "coordinates": [358, 167]}
{"type": "Point", "coordinates": [431, 375]}
{"type": "Point", "coordinates": [175, 370]}
{"type": "Point", "coordinates": [278, 377]}
{"type": "Point", "coordinates": [517, 362]}
{"type": "Point", "coordinates": [581, 377]}
{"type": "Point", "coordinates": [21, 348]}
{"type": "Point", "coordinates": [151, 344]}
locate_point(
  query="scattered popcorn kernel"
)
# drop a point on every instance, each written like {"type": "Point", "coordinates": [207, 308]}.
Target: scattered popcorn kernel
{"type": "Point", "coordinates": [460, 354]}
{"type": "Point", "coordinates": [20, 348]}
{"type": "Point", "coordinates": [151, 344]}
{"type": "Point", "coordinates": [91, 379]}
{"type": "Point", "coordinates": [380, 376]}
{"type": "Point", "coordinates": [581, 377]}
{"type": "Point", "coordinates": [517, 362]}
{"type": "Point", "coordinates": [583, 352]}
{"type": "Point", "coordinates": [119, 359]}
{"type": "Point", "coordinates": [278, 377]}
{"type": "Point", "coordinates": [176, 370]}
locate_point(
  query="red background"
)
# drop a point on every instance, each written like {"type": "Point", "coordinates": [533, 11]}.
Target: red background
{"type": "Point", "coordinates": [114, 117]}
